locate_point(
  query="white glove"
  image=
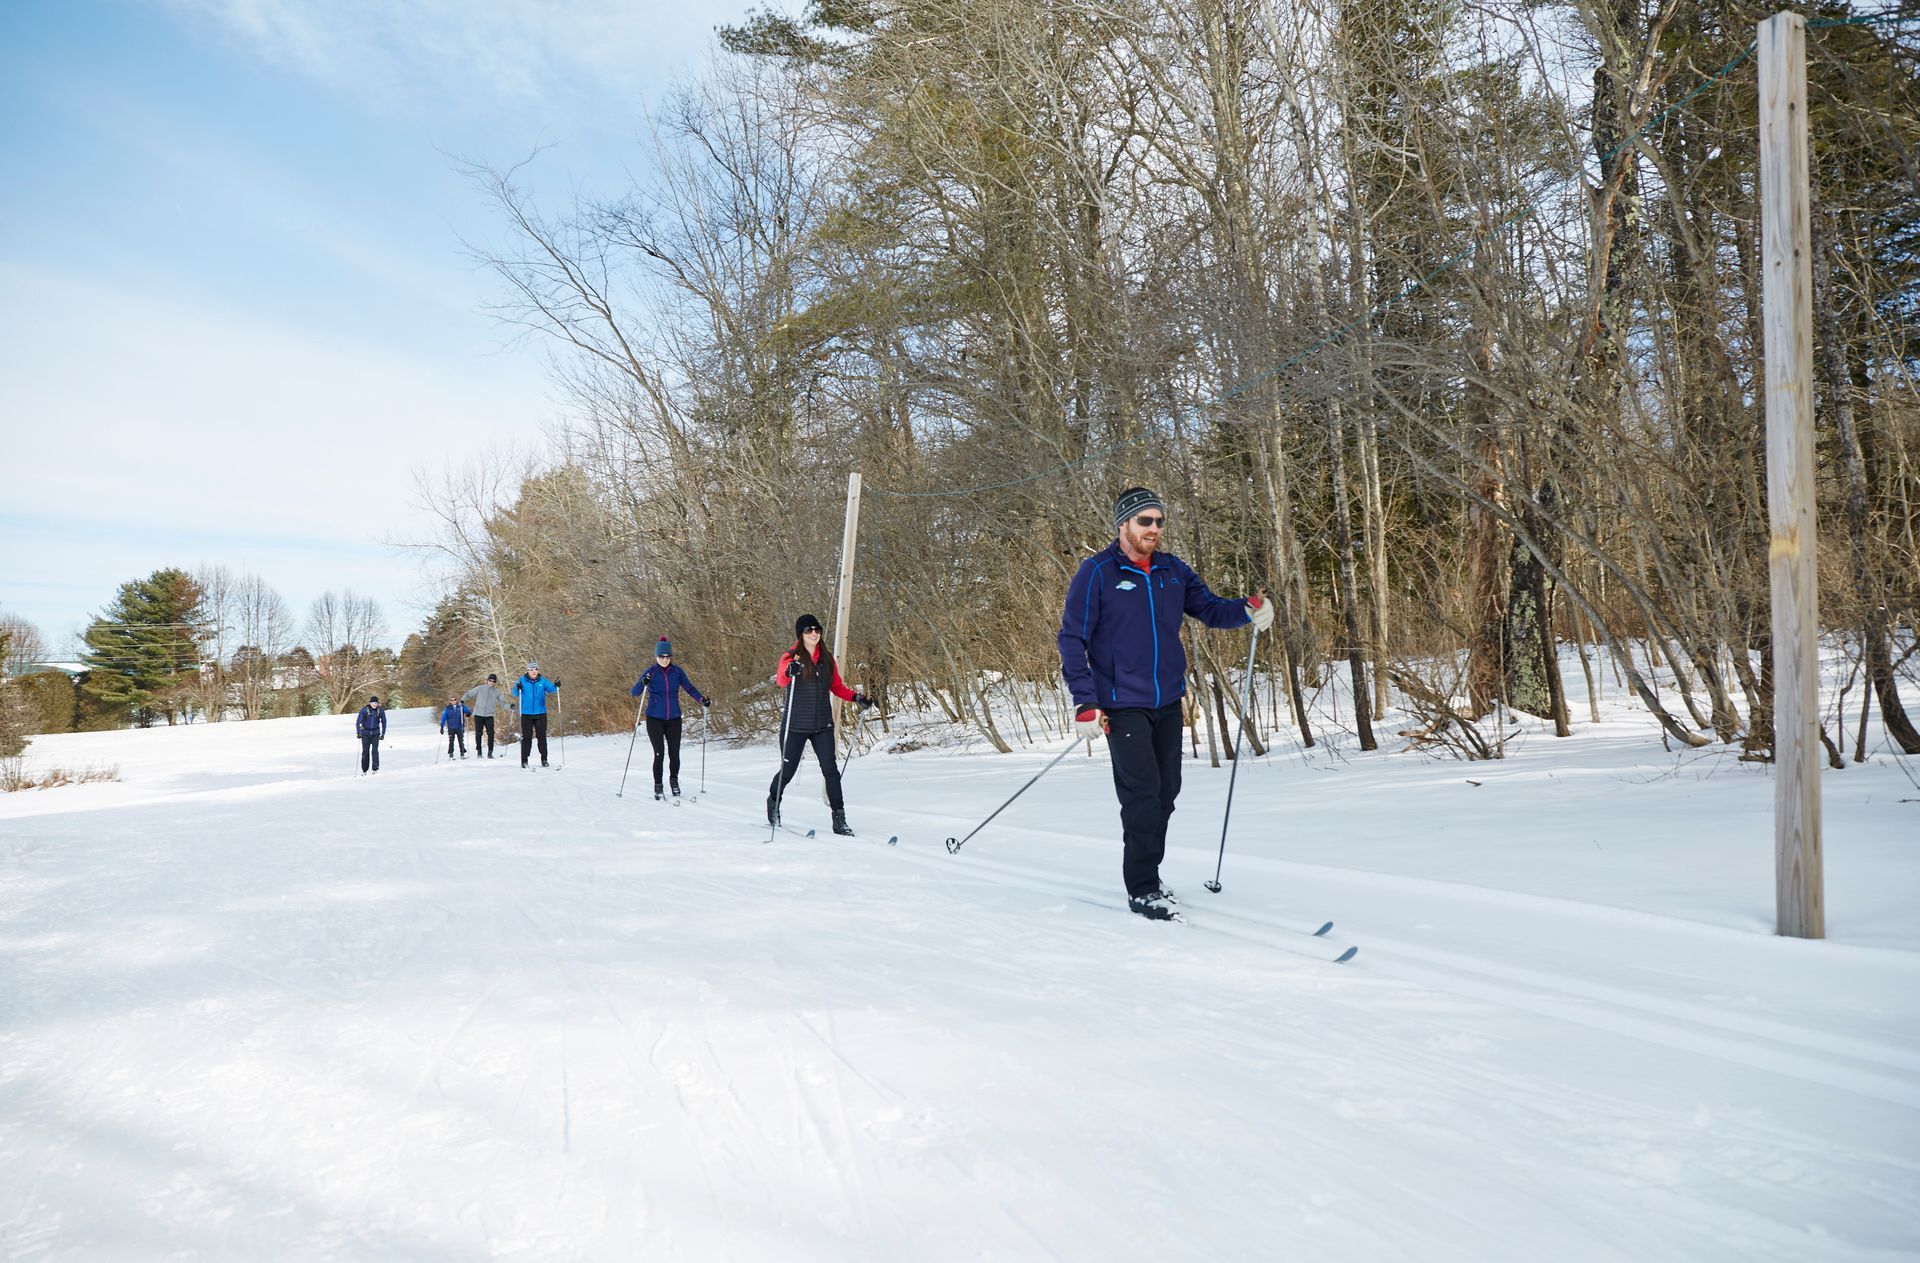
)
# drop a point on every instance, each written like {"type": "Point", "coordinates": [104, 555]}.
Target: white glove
{"type": "Point", "coordinates": [1260, 610]}
{"type": "Point", "coordinates": [1090, 723]}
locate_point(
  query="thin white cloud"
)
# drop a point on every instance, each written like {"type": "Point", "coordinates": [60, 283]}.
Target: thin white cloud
{"type": "Point", "coordinates": [134, 406]}
{"type": "Point", "coordinates": [490, 52]}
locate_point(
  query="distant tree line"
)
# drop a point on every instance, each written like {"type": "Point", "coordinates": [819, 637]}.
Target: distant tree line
{"type": "Point", "coordinates": [206, 645]}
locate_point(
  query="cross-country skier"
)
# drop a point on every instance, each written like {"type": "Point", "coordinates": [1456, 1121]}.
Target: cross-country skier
{"type": "Point", "coordinates": [530, 694]}
{"type": "Point", "coordinates": [662, 683]}
{"type": "Point", "coordinates": [1121, 655]}
{"type": "Point", "coordinates": [485, 701]}
{"type": "Point", "coordinates": [809, 671]}
{"type": "Point", "coordinates": [370, 725]}
{"type": "Point", "coordinates": [453, 722]}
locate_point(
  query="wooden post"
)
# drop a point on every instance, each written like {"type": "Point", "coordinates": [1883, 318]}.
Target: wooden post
{"type": "Point", "coordinates": [1787, 268]}
{"type": "Point", "coordinates": [843, 612]}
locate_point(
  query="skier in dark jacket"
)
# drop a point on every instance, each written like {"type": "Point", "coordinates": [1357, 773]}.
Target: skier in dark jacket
{"type": "Point", "coordinates": [1121, 655]}
{"type": "Point", "coordinates": [662, 683]}
{"type": "Point", "coordinates": [453, 722]}
{"type": "Point", "coordinates": [530, 694]}
{"type": "Point", "coordinates": [808, 672]}
{"type": "Point", "coordinates": [370, 725]}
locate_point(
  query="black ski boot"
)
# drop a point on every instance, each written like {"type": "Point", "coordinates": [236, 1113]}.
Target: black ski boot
{"type": "Point", "coordinates": [840, 825]}
{"type": "Point", "coordinates": [773, 809]}
{"type": "Point", "coordinates": [658, 794]}
{"type": "Point", "coordinates": [675, 787]}
{"type": "Point", "coordinates": [1154, 905]}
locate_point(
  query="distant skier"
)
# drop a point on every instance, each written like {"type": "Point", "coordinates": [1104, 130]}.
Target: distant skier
{"type": "Point", "coordinates": [453, 722]}
{"type": "Point", "coordinates": [484, 701]}
{"type": "Point", "coordinates": [530, 694]}
{"type": "Point", "coordinates": [370, 725]}
{"type": "Point", "coordinates": [662, 683]}
{"type": "Point", "coordinates": [1121, 655]}
{"type": "Point", "coordinates": [808, 669]}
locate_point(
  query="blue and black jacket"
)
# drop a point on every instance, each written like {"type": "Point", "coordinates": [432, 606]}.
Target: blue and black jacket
{"type": "Point", "coordinates": [662, 687]}
{"type": "Point", "coordinates": [531, 695]}
{"type": "Point", "coordinates": [454, 716]}
{"type": "Point", "coordinates": [1120, 631]}
{"type": "Point", "coordinates": [370, 722]}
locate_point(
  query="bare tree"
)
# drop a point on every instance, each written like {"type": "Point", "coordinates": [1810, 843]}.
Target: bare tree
{"type": "Point", "coordinates": [343, 630]}
{"type": "Point", "coordinates": [263, 628]}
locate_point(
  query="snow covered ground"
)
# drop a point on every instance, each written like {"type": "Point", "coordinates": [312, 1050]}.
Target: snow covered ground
{"type": "Point", "coordinates": [254, 1006]}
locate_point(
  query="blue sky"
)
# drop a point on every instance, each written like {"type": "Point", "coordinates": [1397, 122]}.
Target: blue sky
{"type": "Point", "coordinates": [235, 311]}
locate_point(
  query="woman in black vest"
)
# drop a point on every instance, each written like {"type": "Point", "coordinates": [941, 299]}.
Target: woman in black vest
{"type": "Point", "coordinates": [809, 671]}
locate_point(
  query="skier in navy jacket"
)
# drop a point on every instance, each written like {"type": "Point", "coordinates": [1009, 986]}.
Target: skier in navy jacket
{"type": "Point", "coordinates": [662, 683]}
{"type": "Point", "coordinates": [1121, 655]}
{"type": "Point", "coordinates": [453, 722]}
{"type": "Point", "coordinates": [370, 725]}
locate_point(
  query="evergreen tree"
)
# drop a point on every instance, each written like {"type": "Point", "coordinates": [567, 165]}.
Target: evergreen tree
{"type": "Point", "coordinates": [146, 646]}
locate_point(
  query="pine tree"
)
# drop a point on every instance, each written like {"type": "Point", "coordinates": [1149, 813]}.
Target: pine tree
{"type": "Point", "coordinates": [146, 645]}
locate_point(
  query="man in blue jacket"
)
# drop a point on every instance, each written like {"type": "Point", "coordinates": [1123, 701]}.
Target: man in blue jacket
{"type": "Point", "coordinates": [370, 725]}
{"type": "Point", "coordinates": [453, 722]}
{"type": "Point", "coordinates": [662, 683]}
{"type": "Point", "coordinates": [1121, 654]}
{"type": "Point", "coordinates": [530, 694]}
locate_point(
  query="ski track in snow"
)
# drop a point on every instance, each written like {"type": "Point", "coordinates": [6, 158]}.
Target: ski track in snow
{"type": "Point", "coordinates": [464, 1011]}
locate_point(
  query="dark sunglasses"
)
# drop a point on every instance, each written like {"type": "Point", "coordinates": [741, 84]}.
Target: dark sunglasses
{"type": "Point", "coordinates": [1149, 522]}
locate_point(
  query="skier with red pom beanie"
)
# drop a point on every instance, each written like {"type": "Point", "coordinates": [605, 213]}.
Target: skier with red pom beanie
{"type": "Point", "coordinates": [1121, 655]}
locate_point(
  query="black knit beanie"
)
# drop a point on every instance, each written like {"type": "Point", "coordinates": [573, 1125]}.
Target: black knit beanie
{"type": "Point", "coordinates": [1133, 502]}
{"type": "Point", "coordinates": [807, 622]}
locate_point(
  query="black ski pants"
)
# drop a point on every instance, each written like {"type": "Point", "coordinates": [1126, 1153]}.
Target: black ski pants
{"type": "Point", "coordinates": [457, 733]}
{"type": "Point", "coordinates": [829, 766]}
{"type": "Point", "coordinates": [369, 749]}
{"type": "Point", "coordinates": [531, 727]}
{"type": "Point", "coordinates": [1145, 745]}
{"type": "Point", "coordinates": [483, 724]}
{"type": "Point", "coordinates": [664, 736]}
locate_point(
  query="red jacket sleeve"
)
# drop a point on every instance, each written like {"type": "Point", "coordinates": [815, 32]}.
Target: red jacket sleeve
{"type": "Point", "coordinates": [780, 672]}
{"type": "Point", "coordinates": [840, 690]}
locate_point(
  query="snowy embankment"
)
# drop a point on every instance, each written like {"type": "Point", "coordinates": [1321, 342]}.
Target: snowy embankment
{"type": "Point", "coordinates": [255, 1006]}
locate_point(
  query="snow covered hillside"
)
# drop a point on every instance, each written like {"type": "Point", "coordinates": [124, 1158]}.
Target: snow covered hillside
{"type": "Point", "coordinates": [255, 1006]}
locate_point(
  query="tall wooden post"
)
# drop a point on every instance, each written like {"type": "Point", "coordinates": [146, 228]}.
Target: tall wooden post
{"type": "Point", "coordinates": [1787, 263]}
{"type": "Point", "coordinates": [843, 612]}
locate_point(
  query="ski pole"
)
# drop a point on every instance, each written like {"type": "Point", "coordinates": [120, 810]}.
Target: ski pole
{"type": "Point", "coordinates": [706, 717]}
{"type": "Point", "coordinates": [953, 846]}
{"type": "Point", "coordinates": [1245, 710]}
{"type": "Point", "coordinates": [636, 736]}
{"type": "Point", "coordinates": [562, 725]}
{"type": "Point", "coordinates": [779, 785]}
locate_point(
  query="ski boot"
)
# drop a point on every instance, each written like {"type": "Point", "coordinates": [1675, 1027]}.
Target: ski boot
{"type": "Point", "coordinates": [773, 809]}
{"type": "Point", "coordinates": [1153, 905]}
{"type": "Point", "coordinates": [657, 794]}
{"type": "Point", "coordinates": [840, 825]}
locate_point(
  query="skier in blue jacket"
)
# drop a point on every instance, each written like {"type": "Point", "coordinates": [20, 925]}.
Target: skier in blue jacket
{"type": "Point", "coordinates": [453, 722]}
{"type": "Point", "coordinates": [1121, 654]}
{"type": "Point", "coordinates": [662, 684]}
{"type": "Point", "coordinates": [530, 694]}
{"type": "Point", "coordinates": [370, 725]}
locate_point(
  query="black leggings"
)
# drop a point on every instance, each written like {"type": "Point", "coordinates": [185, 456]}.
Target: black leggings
{"type": "Point", "coordinates": [458, 732]}
{"type": "Point", "coordinates": [369, 750]}
{"type": "Point", "coordinates": [1145, 745]}
{"type": "Point", "coordinates": [823, 750]}
{"type": "Point", "coordinates": [482, 724]}
{"type": "Point", "coordinates": [664, 735]}
{"type": "Point", "coordinates": [532, 726]}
